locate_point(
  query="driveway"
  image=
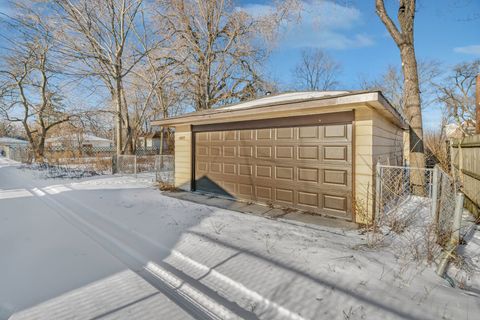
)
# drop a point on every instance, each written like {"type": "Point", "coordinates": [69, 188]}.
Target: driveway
{"type": "Point", "coordinates": [114, 247]}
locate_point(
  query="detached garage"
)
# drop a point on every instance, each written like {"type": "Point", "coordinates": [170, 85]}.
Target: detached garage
{"type": "Point", "coordinates": [314, 151]}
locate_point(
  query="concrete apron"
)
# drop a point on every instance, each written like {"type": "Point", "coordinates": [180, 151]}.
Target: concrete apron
{"type": "Point", "coordinates": [213, 200]}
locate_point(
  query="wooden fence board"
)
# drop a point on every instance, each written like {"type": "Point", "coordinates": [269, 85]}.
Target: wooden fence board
{"type": "Point", "coordinates": [465, 155]}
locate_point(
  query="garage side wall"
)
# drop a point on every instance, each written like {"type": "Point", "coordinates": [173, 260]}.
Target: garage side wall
{"type": "Point", "coordinates": [388, 142]}
{"type": "Point", "coordinates": [183, 157]}
{"type": "Point", "coordinates": [364, 169]}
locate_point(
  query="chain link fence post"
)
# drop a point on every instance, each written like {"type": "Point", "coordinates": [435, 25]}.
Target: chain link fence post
{"type": "Point", "coordinates": [135, 165]}
{"type": "Point", "coordinates": [454, 237]}
{"type": "Point", "coordinates": [378, 189]}
{"type": "Point", "coordinates": [457, 218]}
{"type": "Point", "coordinates": [435, 185]}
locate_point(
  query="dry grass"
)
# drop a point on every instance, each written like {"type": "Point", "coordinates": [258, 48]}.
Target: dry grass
{"type": "Point", "coordinates": [167, 187]}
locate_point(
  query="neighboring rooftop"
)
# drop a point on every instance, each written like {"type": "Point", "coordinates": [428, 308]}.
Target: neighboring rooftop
{"type": "Point", "coordinates": [8, 140]}
{"type": "Point", "coordinates": [85, 137]}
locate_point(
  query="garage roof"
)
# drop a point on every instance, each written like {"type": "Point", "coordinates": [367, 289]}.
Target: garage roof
{"type": "Point", "coordinates": [290, 101]}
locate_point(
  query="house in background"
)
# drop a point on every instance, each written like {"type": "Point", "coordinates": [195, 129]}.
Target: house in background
{"type": "Point", "coordinates": [455, 131]}
{"type": "Point", "coordinates": [152, 140]}
{"type": "Point", "coordinates": [77, 141]}
{"type": "Point", "coordinates": [314, 151]}
{"type": "Point", "coordinates": [7, 143]}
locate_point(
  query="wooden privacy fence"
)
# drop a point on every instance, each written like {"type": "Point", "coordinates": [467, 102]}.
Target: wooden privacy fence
{"type": "Point", "coordinates": [465, 155]}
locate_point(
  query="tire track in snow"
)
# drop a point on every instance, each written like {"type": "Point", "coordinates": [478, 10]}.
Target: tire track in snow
{"type": "Point", "coordinates": [244, 291]}
{"type": "Point", "coordinates": [185, 295]}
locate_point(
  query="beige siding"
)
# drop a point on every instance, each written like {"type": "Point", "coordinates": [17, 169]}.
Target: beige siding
{"type": "Point", "coordinates": [406, 146]}
{"type": "Point", "coordinates": [387, 141]}
{"type": "Point", "coordinates": [183, 157]}
{"type": "Point", "coordinates": [376, 140]}
{"type": "Point", "coordinates": [363, 204]}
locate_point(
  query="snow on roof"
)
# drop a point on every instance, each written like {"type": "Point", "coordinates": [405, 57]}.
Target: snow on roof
{"type": "Point", "coordinates": [279, 101]}
{"type": "Point", "coordinates": [283, 97]}
{"type": "Point", "coordinates": [86, 137]}
{"type": "Point", "coordinates": [8, 140]}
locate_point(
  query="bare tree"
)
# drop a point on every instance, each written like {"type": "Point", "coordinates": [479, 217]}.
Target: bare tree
{"type": "Point", "coordinates": [220, 47]}
{"type": "Point", "coordinates": [316, 70]}
{"type": "Point", "coordinates": [403, 35]}
{"type": "Point", "coordinates": [31, 94]}
{"type": "Point", "coordinates": [109, 39]}
{"type": "Point", "coordinates": [156, 90]}
{"type": "Point", "coordinates": [457, 94]}
{"type": "Point", "coordinates": [391, 84]}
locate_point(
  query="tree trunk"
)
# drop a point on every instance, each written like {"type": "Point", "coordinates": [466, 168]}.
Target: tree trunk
{"type": "Point", "coordinates": [119, 127]}
{"type": "Point", "coordinates": [413, 112]}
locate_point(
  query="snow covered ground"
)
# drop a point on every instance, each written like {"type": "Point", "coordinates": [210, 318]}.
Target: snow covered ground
{"type": "Point", "coordinates": [177, 259]}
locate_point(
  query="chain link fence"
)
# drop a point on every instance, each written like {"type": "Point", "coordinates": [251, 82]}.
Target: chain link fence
{"type": "Point", "coordinates": [396, 187]}
{"type": "Point", "coordinates": [426, 197]}
{"type": "Point", "coordinates": [165, 169]}
{"type": "Point", "coordinates": [163, 166]}
{"type": "Point", "coordinates": [126, 164]}
{"type": "Point", "coordinates": [444, 206]}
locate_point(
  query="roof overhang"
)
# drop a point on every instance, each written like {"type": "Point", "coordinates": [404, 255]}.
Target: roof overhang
{"type": "Point", "coordinates": [329, 103]}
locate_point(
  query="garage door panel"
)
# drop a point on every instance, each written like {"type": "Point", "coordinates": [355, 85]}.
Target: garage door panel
{"type": "Point", "coordinates": [308, 199]}
{"type": "Point", "coordinates": [246, 135]}
{"type": "Point", "coordinates": [335, 176]}
{"type": "Point", "coordinates": [202, 136]}
{"type": "Point", "coordinates": [284, 133]}
{"type": "Point", "coordinates": [308, 152]}
{"type": "Point", "coordinates": [335, 132]}
{"type": "Point", "coordinates": [263, 171]}
{"type": "Point", "coordinates": [216, 136]}
{"type": "Point", "coordinates": [284, 195]}
{"type": "Point", "coordinates": [308, 132]}
{"type": "Point", "coordinates": [229, 168]}
{"type": "Point", "coordinates": [306, 174]}
{"type": "Point", "coordinates": [334, 153]}
{"type": "Point", "coordinates": [229, 187]}
{"type": "Point", "coordinates": [264, 134]}
{"type": "Point", "coordinates": [284, 152]}
{"type": "Point", "coordinates": [215, 151]}
{"type": "Point", "coordinates": [284, 173]}
{"type": "Point", "coordinates": [245, 151]}
{"type": "Point", "coordinates": [245, 190]}
{"type": "Point", "coordinates": [230, 135]}
{"type": "Point", "coordinates": [229, 151]}
{"type": "Point", "coordinates": [335, 202]}
{"type": "Point", "coordinates": [245, 170]}
{"type": "Point", "coordinates": [202, 151]}
{"type": "Point", "coordinates": [215, 167]}
{"type": "Point", "coordinates": [309, 167]}
{"type": "Point", "coordinates": [263, 152]}
{"type": "Point", "coordinates": [263, 193]}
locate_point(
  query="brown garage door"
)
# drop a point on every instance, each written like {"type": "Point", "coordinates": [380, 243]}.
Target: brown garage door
{"type": "Point", "coordinates": [308, 167]}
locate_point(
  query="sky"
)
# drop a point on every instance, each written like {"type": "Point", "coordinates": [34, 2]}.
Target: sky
{"type": "Point", "coordinates": [447, 31]}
